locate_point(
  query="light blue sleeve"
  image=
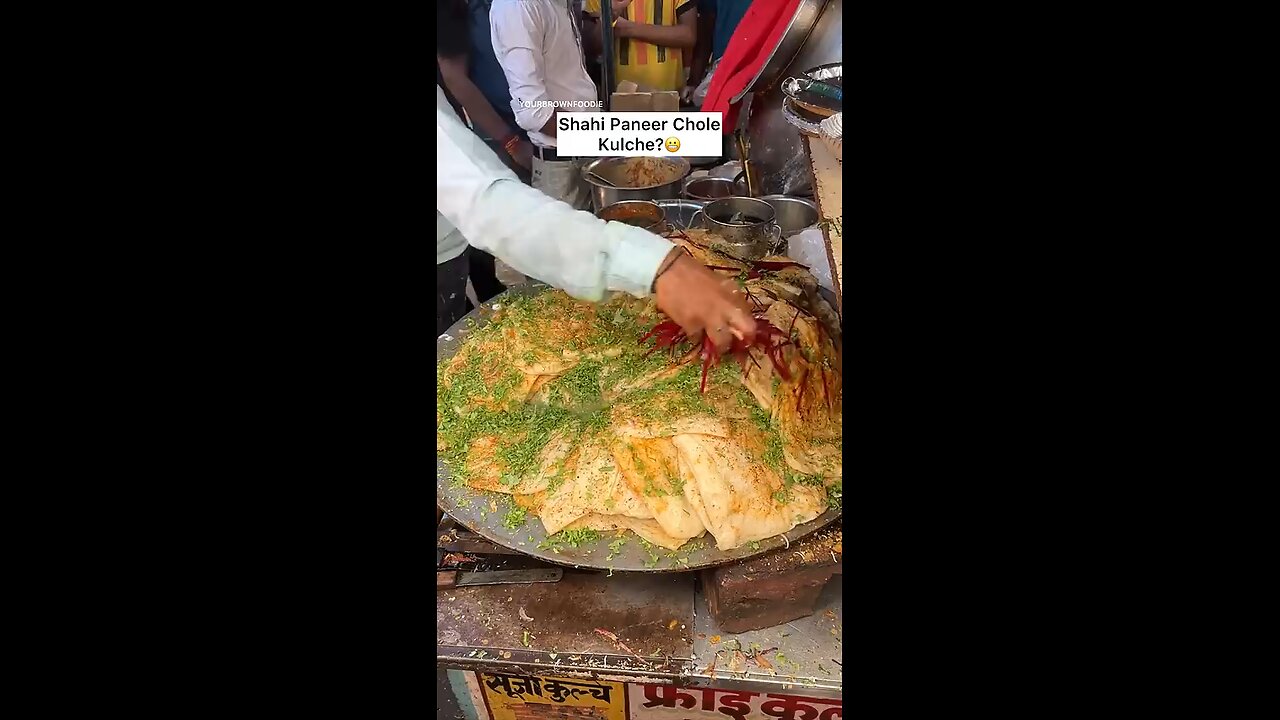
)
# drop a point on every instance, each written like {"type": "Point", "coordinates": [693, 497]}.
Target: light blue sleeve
{"type": "Point", "coordinates": [533, 233]}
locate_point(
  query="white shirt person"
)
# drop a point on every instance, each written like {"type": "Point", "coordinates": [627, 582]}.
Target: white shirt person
{"type": "Point", "coordinates": [539, 46]}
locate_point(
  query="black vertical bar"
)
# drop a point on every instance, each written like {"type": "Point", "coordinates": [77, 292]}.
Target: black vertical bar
{"type": "Point", "coordinates": [606, 60]}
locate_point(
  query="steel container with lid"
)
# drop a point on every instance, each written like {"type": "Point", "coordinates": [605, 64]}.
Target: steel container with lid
{"type": "Point", "coordinates": [792, 214]}
{"type": "Point", "coordinates": [746, 226]}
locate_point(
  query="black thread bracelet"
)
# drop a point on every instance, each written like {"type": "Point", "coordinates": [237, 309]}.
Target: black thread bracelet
{"type": "Point", "coordinates": [666, 265]}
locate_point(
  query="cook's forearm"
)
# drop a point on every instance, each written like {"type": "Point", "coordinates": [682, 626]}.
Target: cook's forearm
{"type": "Point", "coordinates": [533, 233]}
{"type": "Point", "coordinates": [572, 250]}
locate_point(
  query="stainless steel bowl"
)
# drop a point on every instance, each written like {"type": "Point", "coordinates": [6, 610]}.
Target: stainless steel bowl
{"type": "Point", "coordinates": [681, 214]}
{"type": "Point", "coordinates": [644, 214]}
{"type": "Point", "coordinates": [745, 225]}
{"type": "Point", "coordinates": [792, 214]}
{"type": "Point", "coordinates": [706, 189]}
{"type": "Point", "coordinates": [614, 169]}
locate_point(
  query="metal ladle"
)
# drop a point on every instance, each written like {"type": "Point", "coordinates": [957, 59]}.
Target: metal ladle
{"type": "Point", "coordinates": [602, 178]}
{"type": "Point", "coordinates": [744, 149]}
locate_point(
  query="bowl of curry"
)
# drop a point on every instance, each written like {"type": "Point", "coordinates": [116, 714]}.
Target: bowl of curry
{"type": "Point", "coordinates": [644, 214]}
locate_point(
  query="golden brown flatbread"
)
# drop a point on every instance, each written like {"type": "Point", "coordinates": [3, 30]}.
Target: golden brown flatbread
{"type": "Point", "coordinates": [651, 469]}
{"type": "Point", "coordinates": [734, 495]}
{"type": "Point", "coordinates": [596, 487]}
{"type": "Point", "coordinates": [647, 529]}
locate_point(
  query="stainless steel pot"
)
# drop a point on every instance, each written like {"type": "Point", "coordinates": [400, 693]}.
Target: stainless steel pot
{"type": "Point", "coordinates": [706, 189]}
{"type": "Point", "coordinates": [746, 225]}
{"type": "Point", "coordinates": [613, 169]}
{"type": "Point", "coordinates": [792, 214]}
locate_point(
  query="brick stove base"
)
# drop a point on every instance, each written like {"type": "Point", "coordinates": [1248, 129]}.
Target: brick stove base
{"type": "Point", "coordinates": [775, 588]}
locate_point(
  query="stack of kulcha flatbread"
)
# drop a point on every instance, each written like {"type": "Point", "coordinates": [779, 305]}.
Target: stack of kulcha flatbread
{"type": "Point", "coordinates": [559, 404]}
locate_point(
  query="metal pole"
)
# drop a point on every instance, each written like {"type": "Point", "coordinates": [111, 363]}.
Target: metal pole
{"type": "Point", "coordinates": [606, 59]}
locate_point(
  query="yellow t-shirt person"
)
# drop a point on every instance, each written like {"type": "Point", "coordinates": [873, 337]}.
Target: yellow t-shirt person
{"type": "Point", "coordinates": [650, 66]}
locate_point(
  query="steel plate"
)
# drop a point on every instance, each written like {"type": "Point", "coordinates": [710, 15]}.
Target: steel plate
{"type": "Point", "coordinates": [791, 88]}
{"type": "Point", "coordinates": [805, 122]}
{"type": "Point", "coordinates": [482, 511]}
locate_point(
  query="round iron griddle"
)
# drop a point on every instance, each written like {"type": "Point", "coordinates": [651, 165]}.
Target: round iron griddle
{"type": "Point", "coordinates": [475, 509]}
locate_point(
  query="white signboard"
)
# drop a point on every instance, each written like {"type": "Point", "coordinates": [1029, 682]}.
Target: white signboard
{"type": "Point", "coordinates": [636, 134]}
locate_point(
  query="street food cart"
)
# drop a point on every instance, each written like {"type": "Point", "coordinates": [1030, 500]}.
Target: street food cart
{"type": "Point", "coordinates": [526, 631]}
{"type": "Point", "coordinates": [638, 645]}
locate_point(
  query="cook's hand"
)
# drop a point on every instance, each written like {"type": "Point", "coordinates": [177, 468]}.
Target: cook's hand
{"type": "Point", "coordinates": [687, 93]}
{"type": "Point", "coordinates": [622, 27]}
{"type": "Point", "coordinates": [619, 6]}
{"type": "Point", "coordinates": [700, 301]}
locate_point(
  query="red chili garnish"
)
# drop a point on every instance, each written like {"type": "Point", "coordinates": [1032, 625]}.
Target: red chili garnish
{"type": "Point", "coordinates": [765, 332]}
{"type": "Point", "coordinates": [751, 296]}
{"type": "Point", "coordinates": [759, 267]}
{"type": "Point", "coordinates": [667, 334]}
{"type": "Point", "coordinates": [793, 322]}
{"type": "Point", "coordinates": [776, 265]}
{"type": "Point", "coordinates": [826, 396]}
{"type": "Point", "coordinates": [709, 359]}
{"type": "Point", "coordinates": [800, 388]}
